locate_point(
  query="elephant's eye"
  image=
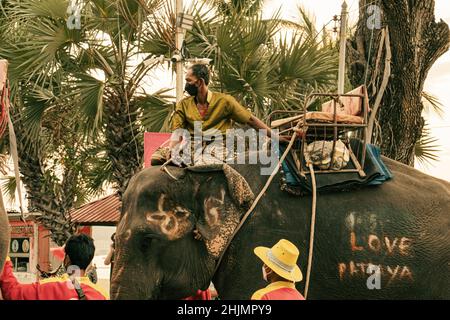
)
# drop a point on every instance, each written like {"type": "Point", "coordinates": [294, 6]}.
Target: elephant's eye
{"type": "Point", "coordinates": [146, 242]}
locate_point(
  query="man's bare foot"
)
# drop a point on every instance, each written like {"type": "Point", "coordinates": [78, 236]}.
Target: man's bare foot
{"type": "Point", "coordinates": [197, 235]}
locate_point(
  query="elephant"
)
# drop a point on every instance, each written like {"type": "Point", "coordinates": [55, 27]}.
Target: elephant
{"type": "Point", "coordinates": [390, 241]}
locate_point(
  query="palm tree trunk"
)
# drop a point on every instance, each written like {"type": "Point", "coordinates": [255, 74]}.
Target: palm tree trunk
{"type": "Point", "coordinates": [125, 152]}
{"type": "Point", "coordinates": [41, 195]}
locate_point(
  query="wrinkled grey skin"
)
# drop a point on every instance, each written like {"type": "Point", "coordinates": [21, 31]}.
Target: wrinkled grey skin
{"type": "Point", "coordinates": [402, 226]}
{"type": "Point", "coordinates": [4, 235]}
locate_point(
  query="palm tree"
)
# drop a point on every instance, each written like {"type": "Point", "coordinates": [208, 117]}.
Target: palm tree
{"type": "Point", "coordinates": [95, 66]}
{"type": "Point", "coordinates": [77, 96]}
{"type": "Point", "coordinates": [55, 167]}
{"type": "Point", "coordinates": [90, 82]}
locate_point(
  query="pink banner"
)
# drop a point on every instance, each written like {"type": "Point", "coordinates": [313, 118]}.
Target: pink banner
{"type": "Point", "coordinates": [152, 141]}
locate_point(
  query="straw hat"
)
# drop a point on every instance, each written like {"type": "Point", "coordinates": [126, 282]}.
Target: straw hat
{"type": "Point", "coordinates": [282, 259]}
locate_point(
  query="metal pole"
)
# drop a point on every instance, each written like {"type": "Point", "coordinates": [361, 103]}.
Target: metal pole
{"type": "Point", "coordinates": [343, 39]}
{"type": "Point", "coordinates": [179, 36]}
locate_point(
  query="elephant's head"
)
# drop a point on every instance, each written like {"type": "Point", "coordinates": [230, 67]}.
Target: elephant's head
{"type": "Point", "coordinates": [156, 254]}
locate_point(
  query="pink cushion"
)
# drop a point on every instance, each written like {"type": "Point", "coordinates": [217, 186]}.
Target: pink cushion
{"type": "Point", "coordinates": [351, 105]}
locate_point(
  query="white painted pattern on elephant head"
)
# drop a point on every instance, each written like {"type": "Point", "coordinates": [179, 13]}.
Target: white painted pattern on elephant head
{"type": "Point", "coordinates": [221, 219]}
{"type": "Point", "coordinates": [127, 235]}
{"type": "Point", "coordinates": [212, 208]}
{"type": "Point", "coordinates": [174, 222]}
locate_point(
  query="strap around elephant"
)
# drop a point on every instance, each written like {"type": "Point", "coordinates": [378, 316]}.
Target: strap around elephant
{"type": "Point", "coordinates": [264, 189]}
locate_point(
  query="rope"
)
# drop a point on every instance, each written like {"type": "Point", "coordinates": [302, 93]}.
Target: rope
{"type": "Point", "coordinates": [370, 51]}
{"type": "Point", "coordinates": [313, 223]}
{"type": "Point", "coordinates": [252, 207]}
{"type": "Point", "coordinates": [258, 198]}
{"type": "Point", "coordinates": [164, 168]}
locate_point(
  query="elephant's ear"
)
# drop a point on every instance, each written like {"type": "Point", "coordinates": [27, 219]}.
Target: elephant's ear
{"type": "Point", "coordinates": [219, 217]}
{"type": "Point", "coordinates": [238, 187]}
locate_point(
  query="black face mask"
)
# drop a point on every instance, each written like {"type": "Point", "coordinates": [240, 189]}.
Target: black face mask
{"type": "Point", "coordinates": [192, 89]}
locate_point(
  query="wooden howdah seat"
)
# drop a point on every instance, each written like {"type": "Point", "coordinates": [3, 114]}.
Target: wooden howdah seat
{"type": "Point", "coordinates": [342, 117]}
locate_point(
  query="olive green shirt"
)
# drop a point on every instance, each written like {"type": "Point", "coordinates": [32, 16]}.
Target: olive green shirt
{"type": "Point", "coordinates": [222, 109]}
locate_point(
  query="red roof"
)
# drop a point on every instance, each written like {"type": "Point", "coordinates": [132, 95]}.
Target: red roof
{"type": "Point", "coordinates": [105, 211]}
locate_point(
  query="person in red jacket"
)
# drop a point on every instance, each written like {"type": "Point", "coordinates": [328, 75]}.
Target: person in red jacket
{"type": "Point", "coordinates": [281, 271]}
{"type": "Point", "coordinates": [79, 252]}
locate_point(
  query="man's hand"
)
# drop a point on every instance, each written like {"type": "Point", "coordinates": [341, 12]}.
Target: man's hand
{"type": "Point", "coordinates": [300, 132]}
{"type": "Point", "coordinates": [284, 139]}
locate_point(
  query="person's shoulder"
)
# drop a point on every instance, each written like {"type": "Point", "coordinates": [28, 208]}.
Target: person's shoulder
{"type": "Point", "coordinates": [222, 95]}
{"type": "Point", "coordinates": [258, 295]}
{"type": "Point", "coordinates": [186, 100]}
{"type": "Point", "coordinates": [54, 280]}
{"type": "Point", "coordinates": [96, 287]}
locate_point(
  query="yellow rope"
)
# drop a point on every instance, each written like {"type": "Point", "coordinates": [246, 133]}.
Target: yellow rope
{"type": "Point", "coordinates": [311, 235]}
{"type": "Point", "coordinates": [249, 211]}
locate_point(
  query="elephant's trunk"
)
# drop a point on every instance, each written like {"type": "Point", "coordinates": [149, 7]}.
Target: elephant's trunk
{"type": "Point", "coordinates": [131, 281]}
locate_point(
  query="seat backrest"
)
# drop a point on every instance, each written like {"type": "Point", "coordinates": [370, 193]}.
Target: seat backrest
{"type": "Point", "coordinates": [350, 105]}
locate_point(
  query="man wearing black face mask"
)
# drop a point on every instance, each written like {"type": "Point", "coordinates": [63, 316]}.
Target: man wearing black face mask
{"type": "Point", "coordinates": [213, 109]}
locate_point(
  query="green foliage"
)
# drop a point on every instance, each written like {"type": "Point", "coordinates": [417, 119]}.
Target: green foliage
{"type": "Point", "coordinates": [426, 149]}
{"type": "Point", "coordinates": [80, 101]}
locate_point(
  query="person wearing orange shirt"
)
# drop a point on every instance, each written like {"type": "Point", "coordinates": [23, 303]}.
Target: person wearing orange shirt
{"type": "Point", "coordinates": [79, 252]}
{"type": "Point", "coordinates": [281, 271]}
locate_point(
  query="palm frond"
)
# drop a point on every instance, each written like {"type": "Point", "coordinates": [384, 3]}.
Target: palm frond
{"type": "Point", "coordinates": [159, 37]}
{"type": "Point", "coordinates": [89, 91]}
{"type": "Point", "coordinates": [308, 23]}
{"type": "Point", "coordinates": [426, 149]}
{"type": "Point", "coordinates": [432, 104]}
{"type": "Point", "coordinates": [156, 110]}
{"type": "Point", "coordinates": [36, 31]}
{"type": "Point", "coordinates": [9, 188]}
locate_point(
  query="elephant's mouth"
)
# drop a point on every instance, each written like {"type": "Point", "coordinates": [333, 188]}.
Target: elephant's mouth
{"type": "Point", "coordinates": [156, 294]}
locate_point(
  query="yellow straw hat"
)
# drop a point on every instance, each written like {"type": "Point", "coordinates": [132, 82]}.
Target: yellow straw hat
{"type": "Point", "coordinates": [282, 259]}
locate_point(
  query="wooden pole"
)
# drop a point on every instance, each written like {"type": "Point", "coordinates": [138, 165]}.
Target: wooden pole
{"type": "Point", "coordinates": [179, 37]}
{"type": "Point", "coordinates": [343, 40]}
